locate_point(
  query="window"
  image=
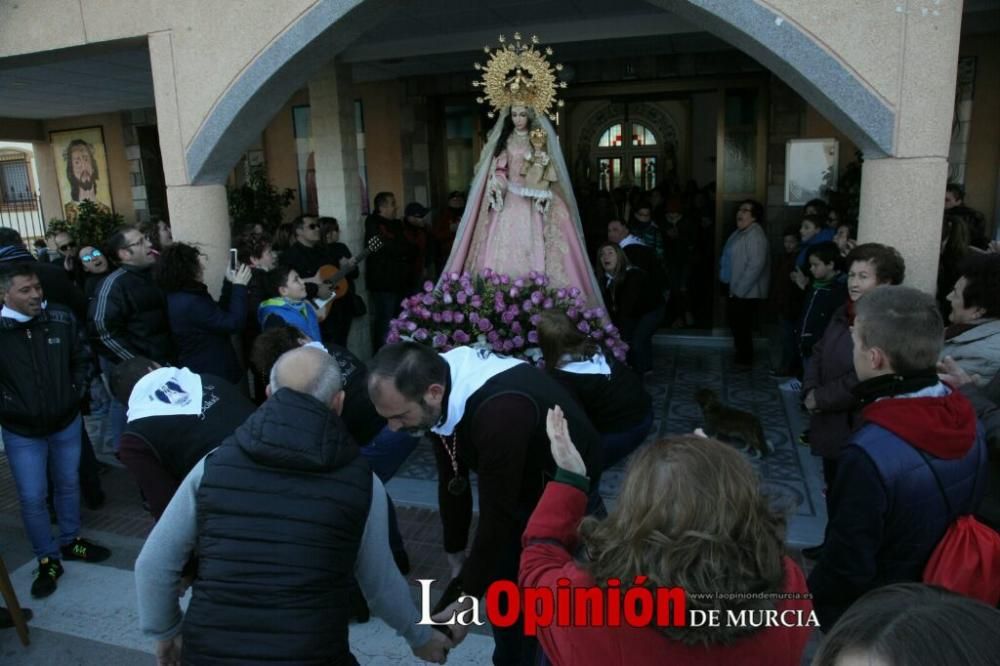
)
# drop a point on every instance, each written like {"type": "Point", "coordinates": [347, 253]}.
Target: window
{"type": "Point", "coordinates": [15, 186]}
{"type": "Point", "coordinates": [627, 154]}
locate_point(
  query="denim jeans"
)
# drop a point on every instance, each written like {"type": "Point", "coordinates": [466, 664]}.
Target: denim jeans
{"type": "Point", "coordinates": [117, 412]}
{"type": "Point", "coordinates": [30, 458]}
{"type": "Point", "coordinates": [617, 445]}
{"type": "Point", "coordinates": [385, 454]}
{"type": "Point", "coordinates": [383, 306]}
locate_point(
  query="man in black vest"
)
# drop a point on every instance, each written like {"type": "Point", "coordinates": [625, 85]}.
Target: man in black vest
{"type": "Point", "coordinates": [282, 517]}
{"type": "Point", "coordinates": [164, 438]}
{"type": "Point", "coordinates": [486, 413]}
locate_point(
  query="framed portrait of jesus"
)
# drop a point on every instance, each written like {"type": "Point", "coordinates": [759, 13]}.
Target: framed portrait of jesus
{"type": "Point", "coordinates": [81, 168]}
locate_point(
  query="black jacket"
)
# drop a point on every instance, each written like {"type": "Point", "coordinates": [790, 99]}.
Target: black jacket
{"type": "Point", "coordinates": [281, 511]}
{"type": "Point", "coordinates": [389, 269]}
{"type": "Point", "coordinates": [44, 372]}
{"type": "Point", "coordinates": [129, 318]}
{"type": "Point", "coordinates": [616, 402]}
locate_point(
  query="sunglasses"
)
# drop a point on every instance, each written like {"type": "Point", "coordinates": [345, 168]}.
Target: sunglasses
{"type": "Point", "coordinates": [87, 258]}
{"type": "Point", "coordinates": [67, 247]}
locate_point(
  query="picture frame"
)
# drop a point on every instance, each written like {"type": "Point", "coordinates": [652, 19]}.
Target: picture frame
{"type": "Point", "coordinates": [811, 168]}
{"type": "Point", "coordinates": [81, 161]}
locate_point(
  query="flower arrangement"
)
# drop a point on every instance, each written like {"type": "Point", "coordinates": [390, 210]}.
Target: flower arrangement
{"type": "Point", "coordinates": [496, 312]}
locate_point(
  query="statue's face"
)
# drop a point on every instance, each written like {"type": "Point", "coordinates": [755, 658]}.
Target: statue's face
{"type": "Point", "coordinates": [519, 116]}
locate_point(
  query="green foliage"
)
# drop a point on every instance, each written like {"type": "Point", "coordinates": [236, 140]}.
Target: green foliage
{"type": "Point", "coordinates": [55, 226]}
{"type": "Point", "coordinates": [94, 224]}
{"type": "Point", "coordinates": [257, 201]}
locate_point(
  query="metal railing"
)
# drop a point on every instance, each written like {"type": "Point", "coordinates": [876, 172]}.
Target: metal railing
{"type": "Point", "coordinates": [23, 211]}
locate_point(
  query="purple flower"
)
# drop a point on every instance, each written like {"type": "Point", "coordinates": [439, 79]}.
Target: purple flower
{"type": "Point", "coordinates": [499, 307]}
{"type": "Point", "coordinates": [537, 297]}
{"type": "Point", "coordinates": [447, 316]}
{"type": "Point", "coordinates": [495, 280]}
{"type": "Point", "coordinates": [420, 334]}
{"type": "Point", "coordinates": [484, 325]}
{"type": "Point", "coordinates": [535, 318]}
{"type": "Point", "coordinates": [526, 306]}
{"type": "Point", "coordinates": [453, 276]}
{"type": "Point", "coordinates": [461, 337]}
{"type": "Point", "coordinates": [508, 345]}
{"type": "Point", "coordinates": [440, 340]}
{"type": "Point", "coordinates": [514, 292]}
{"type": "Point", "coordinates": [574, 292]}
{"type": "Point", "coordinates": [459, 317]}
{"type": "Point", "coordinates": [597, 334]}
{"type": "Point", "coordinates": [493, 337]}
{"type": "Point", "coordinates": [583, 326]}
{"type": "Point", "coordinates": [508, 317]}
{"type": "Point", "coordinates": [428, 286]}
{"type": "Point", "coordinates": [572, 313]}
{"type": "Point", "coordinates": [560, 293]}
{"type": "Point", "coordinates": [476, 302]}
{"type": "Point", "coordinates": [620, 355]}
{"type": "Point", "coordinates": [516, 327]}
{"type": "Point", "coordinates": [473, 317]}
{"type": "Point", "coordinates": [505, 279]}
{"type": "Point", "coordinates": [599, 313]}
{"type": "Point", "coordinates": [498, 347]}
{"type": "Point", "coordinates": [518, 341]}
{"type": "Point", "coordinates": [411, 326]}
{"type": "Point", "coordinates": [548, 304]}
{"type": "Point", "coordinates": [446, 298]}
{"type": "Point", "coordinates": [610, 329]}
{"type": "Point", "coordinates": [436, 317]}
{"type": "Point", "coordinates": [519, 283]}
{"type": "Point", "coordinates": [428, 299]}
{"type": "Point", "coordinates": [533, 337]}
{"type": "Point", "coordinates": [461, 297]}
{"type": "Point", "coordinates": [393, 337]}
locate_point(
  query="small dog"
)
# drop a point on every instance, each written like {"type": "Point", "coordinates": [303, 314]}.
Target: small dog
{"type": "Point", "coordinates": [723, 420]}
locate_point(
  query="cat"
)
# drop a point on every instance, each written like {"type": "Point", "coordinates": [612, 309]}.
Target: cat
{"type": "Point", "coordinates": [723, 420]}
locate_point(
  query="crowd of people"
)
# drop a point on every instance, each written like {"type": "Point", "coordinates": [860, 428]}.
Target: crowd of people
{"type": "Point", "coordinates": [262, 447]}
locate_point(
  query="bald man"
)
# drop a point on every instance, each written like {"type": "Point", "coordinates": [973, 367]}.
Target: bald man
{"type": "Point", "coordinates": [282, 517]}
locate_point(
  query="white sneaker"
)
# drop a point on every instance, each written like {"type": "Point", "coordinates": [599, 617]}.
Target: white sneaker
{"type": "Point", "coordinates": [793, 385]}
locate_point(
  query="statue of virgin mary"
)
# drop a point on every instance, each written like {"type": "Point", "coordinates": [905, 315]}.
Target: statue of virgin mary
{"type": "Point", "coordinates": [515, 221]}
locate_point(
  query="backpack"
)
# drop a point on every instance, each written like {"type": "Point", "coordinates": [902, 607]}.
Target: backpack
{"type": "Point", "coordinates": [967, 558]}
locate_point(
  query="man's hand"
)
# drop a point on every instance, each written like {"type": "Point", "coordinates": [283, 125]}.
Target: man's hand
{"type": "Point", "coordinates": [458, 631]}
{"type": "Point", "coordinates": [563, 451]}
{"type": "Point", "coordinates": [810, 400]}
{"type": "Point", "coordinates": [168, 652]}
{"type": "Point", "coordinates": [951, 372]}
{"type": "Point", "coordinates": [436, 649]}
{"type": "Point", "coordinates": [323, 290]}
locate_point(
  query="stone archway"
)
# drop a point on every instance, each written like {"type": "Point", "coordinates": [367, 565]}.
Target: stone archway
{"type": "Point", "coordinates": [790, 51]}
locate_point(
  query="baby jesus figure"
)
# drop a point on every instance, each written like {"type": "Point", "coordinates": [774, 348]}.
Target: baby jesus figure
{"type": "Point", "coordinates": [538, 171]}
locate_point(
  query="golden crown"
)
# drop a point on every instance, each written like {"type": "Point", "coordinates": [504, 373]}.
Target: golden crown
{"type": "Point", "coordinates": [518, 74]}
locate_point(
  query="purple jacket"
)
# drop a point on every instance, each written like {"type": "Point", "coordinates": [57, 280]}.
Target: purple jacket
{"type": "Point", "coordinates": [830, 372]}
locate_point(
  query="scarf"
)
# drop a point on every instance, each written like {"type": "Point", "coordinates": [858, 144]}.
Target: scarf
{"type": "Point", "coordinates": [468, 370]}
{"type": "Point", "coordinates": [10, 313]}
{"type": "Point", "coordinates": [851, 311]}
{"type": "Point", "coordinates": [166, 392]}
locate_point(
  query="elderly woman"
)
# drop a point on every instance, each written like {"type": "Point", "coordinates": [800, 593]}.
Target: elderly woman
{"type": "Point", "coordinates": [690, 515]}
{"type": "Point", "coordinates": [745, 268]}
{"type": "Point", "coordinates": [973, 339]}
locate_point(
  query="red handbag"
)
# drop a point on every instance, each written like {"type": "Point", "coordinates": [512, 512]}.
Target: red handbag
{"type": "Point", "coordinates": [967, 559]}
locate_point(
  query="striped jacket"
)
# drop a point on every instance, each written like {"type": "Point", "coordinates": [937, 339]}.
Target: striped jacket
{"type": "Point", "coordinates": [128, 318]}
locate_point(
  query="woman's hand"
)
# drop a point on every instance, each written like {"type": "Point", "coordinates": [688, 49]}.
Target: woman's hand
{"type": "Point", "coordinates": [949, 371]}
{"type": "Point", "coordinates": [810, 400]}
{"type": "Point", "coordinates": [240, 276]}
{"type": "Point", "coordinates": [563, 451]}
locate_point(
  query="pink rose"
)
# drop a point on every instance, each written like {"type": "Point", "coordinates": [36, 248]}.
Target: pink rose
{"type": "Point", "coordinates": [461, 337]}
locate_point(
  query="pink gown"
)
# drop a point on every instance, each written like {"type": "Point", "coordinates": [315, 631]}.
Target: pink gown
{"type": "Point", "coordinates": [518, 238]}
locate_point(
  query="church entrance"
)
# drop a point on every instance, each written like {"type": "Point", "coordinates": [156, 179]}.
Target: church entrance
{"type": "Point", "coordinates": [692, 150]}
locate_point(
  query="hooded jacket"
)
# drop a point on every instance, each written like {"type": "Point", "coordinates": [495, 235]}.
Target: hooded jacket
{"type": "Point", "coordinates": [281, 510]}
{"type": "Point", "coordinates": [44, 372]}
{"type": "Point", "coordinates": [280, 311]}
{"type": "Point", "coordinates": [887, 511]}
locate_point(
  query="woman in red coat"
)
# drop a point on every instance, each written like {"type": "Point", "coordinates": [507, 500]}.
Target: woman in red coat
{"type": "Point", "coordinates": [690, 515]}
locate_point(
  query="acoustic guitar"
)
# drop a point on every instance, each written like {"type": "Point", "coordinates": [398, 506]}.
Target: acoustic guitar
{"type": "Point", "coordinates": [336, 278]}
